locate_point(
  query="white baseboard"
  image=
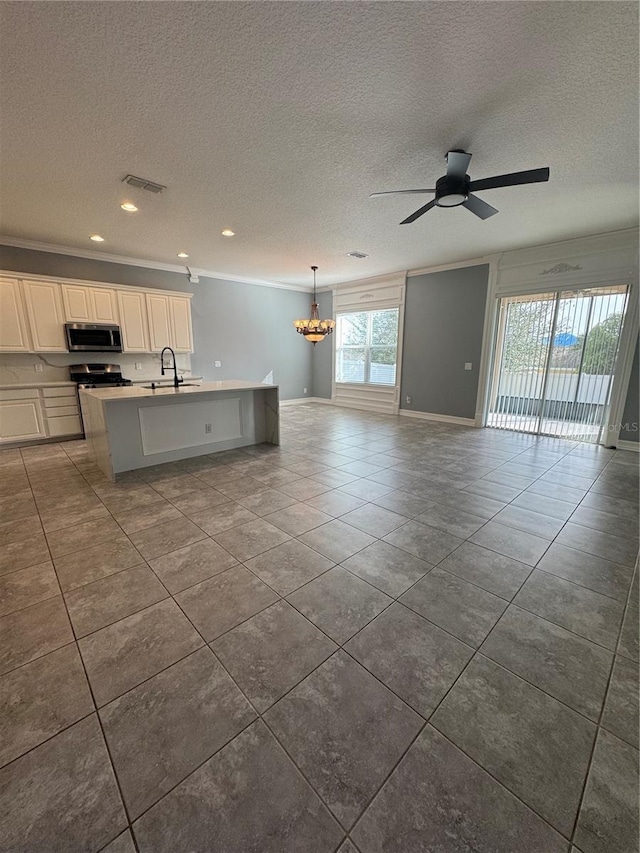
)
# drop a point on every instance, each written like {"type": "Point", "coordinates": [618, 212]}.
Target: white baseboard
{"type": "Point", "coordinates": [365, 406]}
{"type": "Point", "coordinates": [432, 416]}
{"type": "Point", "coordinates": [628, 445]}
{"type": "Point", "coordinates": [298, 401]}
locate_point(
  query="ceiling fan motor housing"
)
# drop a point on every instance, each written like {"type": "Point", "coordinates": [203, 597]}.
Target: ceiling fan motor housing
{"type": "Point", "coordinates": [452, 190]}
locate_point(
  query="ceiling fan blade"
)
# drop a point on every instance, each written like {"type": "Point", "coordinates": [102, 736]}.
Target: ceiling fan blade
{"type": "Point", "coordinates": [458, 163]}
{"type": "Point", "coordinates": [418, 212]}
{"type": "Point", "coordinates": [532, 176]}
{"type": "Point", "coordinates": [479, 207]}
{"type": "Point", "coordinates": [401, 192]}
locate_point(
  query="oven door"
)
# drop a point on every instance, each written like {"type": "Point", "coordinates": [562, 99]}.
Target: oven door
{"type": "Point", "coordinates": [93, 337]}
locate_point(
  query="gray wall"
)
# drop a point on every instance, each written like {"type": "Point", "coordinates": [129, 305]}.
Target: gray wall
{"type": "Point", "coordinates": [323, 352]}
{"type": "Point", "coordinates": [246, 327]}
{"type": "Point", "coordinates": [443, 322]}
{"type": "Point", "coordinates": [631, 416]}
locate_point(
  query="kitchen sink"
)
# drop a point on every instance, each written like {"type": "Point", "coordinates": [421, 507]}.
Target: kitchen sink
{"type": "Point", "coordinates": [156, 387]}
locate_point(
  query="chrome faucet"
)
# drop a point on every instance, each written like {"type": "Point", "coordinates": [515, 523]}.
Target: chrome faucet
{"type": "Point", "coordinates": [176, 379]}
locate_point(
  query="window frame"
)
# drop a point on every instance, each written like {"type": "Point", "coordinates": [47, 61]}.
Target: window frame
{"type": "Point", "coordinates": [368, 346]}
{"type": "Point", "coordinates": [369, 294]}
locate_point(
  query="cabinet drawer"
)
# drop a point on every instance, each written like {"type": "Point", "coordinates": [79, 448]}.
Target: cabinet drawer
{"type": "Point", "coordinates": [67, 400]}
{"type": "Point", "coordinates": [62, 391]}
{"type": "Point", "coordinates": [58, 411]}
{"type": "Point", "coordinates": [69, 425]}
{"type": "Point", "coordinates": [19, 394]}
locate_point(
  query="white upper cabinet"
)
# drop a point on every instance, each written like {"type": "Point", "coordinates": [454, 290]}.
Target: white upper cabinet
{"type": "Point", "coordinates": [33, 313]}
{"type": "Point", "coordinates": [180, 314]}
{"type": "Point", "coordinates": [46, 315]}
{"type": "Point", "coordinates": [133, 321]}
{"type": "Point", "coordinates": [89, 304]}
{"type": "Point", "coordinates": [13, 324]}
{"type": "Point", "coordinates": [159, 324]}
{"type": "Point", "coordinates": [169, 322]}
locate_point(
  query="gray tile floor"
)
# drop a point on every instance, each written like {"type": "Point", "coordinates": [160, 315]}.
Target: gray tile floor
{"type": "Point", "coordinates": [383, 636]}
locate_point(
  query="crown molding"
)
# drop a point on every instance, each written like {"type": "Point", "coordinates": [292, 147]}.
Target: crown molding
{"type": "Point", "coordinates": [88, 254]}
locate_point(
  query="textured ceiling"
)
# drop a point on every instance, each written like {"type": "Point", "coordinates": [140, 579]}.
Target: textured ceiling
{"type": "Point", "coordinates": [279, 119]}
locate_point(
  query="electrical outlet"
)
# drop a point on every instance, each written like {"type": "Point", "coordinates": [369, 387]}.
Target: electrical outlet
{"type": "Point", "coordinates": [217, 364]}
{"type": "Point", "coordinates": [408, 399]}
{"type": "Point", "coordinates": [304, 390]}
{"type": "Point", "coordinates": [468, 365]}
{"type": "Point", "coordinates": [138, 365]}
{"type": "Point", "coordinates": [207, 429]}
{"type": "Point", "coordinates": [37, 367]}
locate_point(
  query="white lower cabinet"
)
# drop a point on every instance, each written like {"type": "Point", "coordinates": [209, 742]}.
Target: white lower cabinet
{"type": "Point", "coordinates": [28, 414]}
{"type": "Point", "coordinates": [21, 415]}
{"type": "Point", "coordinates": [61, 411]}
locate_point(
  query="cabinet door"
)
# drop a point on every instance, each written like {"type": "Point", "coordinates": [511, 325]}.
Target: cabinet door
{"type": "Point", "coordinates": [77, 304]}
{"type": "Point", "coordinates": [133, 321]}
{"type": "Point", "coordinates": [13, 325]}
{"type": "Point", "coordinates": [46, 317]}
{"type": "Point", "coordinates": [104, 306]}
{"type": "Point", "coordinates": [20, 419]}
{"type": "Point", "coordinates": [159, 324]}
{"type": "Point", "coordinates": [180, 310]}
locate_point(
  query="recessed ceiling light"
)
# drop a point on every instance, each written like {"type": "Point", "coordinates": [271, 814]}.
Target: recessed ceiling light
{"type": "Point", "coordinates": [128, 206]}
{"type": "Point", "coordinates": [97, 238]}
{"type": "Point", "coordinates": [182, 255]}
{"type": "Point", "coordinates": [228, 233]}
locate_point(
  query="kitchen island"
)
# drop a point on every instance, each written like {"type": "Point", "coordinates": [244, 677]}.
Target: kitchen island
{"type": "Point", "coordinates": [134, 427]}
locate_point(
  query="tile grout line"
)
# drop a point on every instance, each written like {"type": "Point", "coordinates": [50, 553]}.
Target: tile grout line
{"type": "Point", "coordinates": [394, 599]}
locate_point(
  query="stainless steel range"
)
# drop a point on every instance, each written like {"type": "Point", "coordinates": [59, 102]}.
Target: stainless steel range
{"type": "Point", "coordinates": [98, 375]}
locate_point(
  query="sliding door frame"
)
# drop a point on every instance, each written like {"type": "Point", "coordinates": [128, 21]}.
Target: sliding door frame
{"type": "Point", "coordinates": [586, 262]}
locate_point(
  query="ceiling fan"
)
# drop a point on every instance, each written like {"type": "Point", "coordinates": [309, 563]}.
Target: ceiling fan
{"type": "Point", "coordinates": [456, 188]}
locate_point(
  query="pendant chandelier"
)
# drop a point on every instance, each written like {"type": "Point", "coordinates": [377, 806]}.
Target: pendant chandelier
{"type": "Point", "coordinates": [314, 329]}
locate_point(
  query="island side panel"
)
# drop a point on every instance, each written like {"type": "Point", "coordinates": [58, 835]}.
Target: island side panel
{"type": "Point", "coordinates": [95, 431]}
{"type": "Point", "coordinates": [267, 409]}
{"type": "Point", "coordinates": [152, 431]}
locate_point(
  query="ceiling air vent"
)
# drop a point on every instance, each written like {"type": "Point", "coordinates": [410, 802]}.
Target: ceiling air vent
{"type": "Point", "coordinates": [143, 184]}
{"type": "Point", "coordinates": [359, 255]}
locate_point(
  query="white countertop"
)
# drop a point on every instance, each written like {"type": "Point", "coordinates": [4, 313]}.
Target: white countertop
{"type": "Point", "coordinates": [14, 386]}
{"type": "Point", "coordinates": [133, 392]}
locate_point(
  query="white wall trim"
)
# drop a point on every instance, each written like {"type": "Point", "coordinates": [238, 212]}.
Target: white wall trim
{"type": "Point", "coordinates": [299, 401]}
{"type": "Point", "coordinates": [377, 282]}
{"type": "Point", "coordinates": [89, 254]}
{"type": "Point", "coordinates": [629, 445]}
{"type": "Point", "coordinates": [434, 416]}
{"type": "Point", "coordinates": [371, 294]}
{"type": "Point", "coordinates": [474, 262]}
{"type": "Point", "coordinates": [624, 365]}
{"type": "Point", "coordinates": [364, 406]}
{"type": "Point", "coordinates": [488, 337]}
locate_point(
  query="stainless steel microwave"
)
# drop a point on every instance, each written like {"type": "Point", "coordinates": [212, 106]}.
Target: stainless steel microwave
{"type": "Point", "coordinates": [93, 337]}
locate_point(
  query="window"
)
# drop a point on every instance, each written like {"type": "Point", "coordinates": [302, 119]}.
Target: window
{"type": "Point", "coordinates": [367, 347]}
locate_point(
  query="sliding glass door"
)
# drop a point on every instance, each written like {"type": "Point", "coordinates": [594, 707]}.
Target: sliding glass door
{"type": "Point", "coordinates": [555, 360]}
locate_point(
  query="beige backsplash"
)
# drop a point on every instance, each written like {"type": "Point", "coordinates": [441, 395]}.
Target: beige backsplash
{"type": "Point", "coordinates": [18, 368]}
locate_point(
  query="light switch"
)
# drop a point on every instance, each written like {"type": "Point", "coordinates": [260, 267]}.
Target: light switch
{"type": "Point", "coordinates": [37, 367]}
{"type": "Point", "coordinates": [468, 365]}
{"type": "Point", "coordinates": [217, 364]}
